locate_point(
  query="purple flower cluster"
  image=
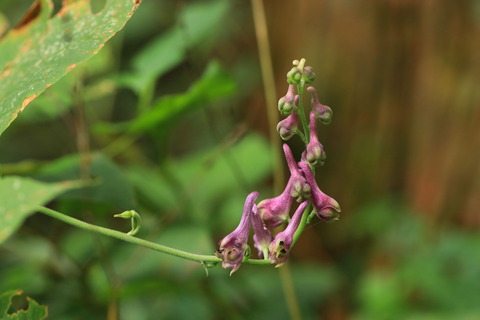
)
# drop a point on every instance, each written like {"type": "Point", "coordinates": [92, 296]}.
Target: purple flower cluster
{"type": "Point", "coordinates": [301, 186]}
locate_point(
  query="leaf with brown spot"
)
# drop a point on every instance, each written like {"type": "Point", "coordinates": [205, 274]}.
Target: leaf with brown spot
{"type": "Point", "coordinates": [42, 48]}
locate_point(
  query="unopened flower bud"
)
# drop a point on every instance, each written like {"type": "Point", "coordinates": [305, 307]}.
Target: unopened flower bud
{"type": "Point", "coordinates": [234, 248]}
{"type": "Point", "coordinates": [325, 207]}
{"type": "Point", "coordinates": [286, 103]}
{"type": "Point", "coordinates": [322, 112]}
{"type": "Point", "coordinates": [314, 154]}
{"type": "Point", "coordinates": [300, 72]}
{"type": "Point", "coordinates": [274, 211]}
{"type": "Point", "coordinates": [288, 127]}
{"type": "Point", "coordinates": [308, 74]}
{"type": "Point", "coordinates": [280, 246]}
{"type": "Point", "coordinates": [300, 189]}
{"type": "Point", "coordinates": [294, 76]}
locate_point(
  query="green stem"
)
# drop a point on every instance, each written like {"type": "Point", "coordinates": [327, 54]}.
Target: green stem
{"type": "Point", "coordinates": [302, 136]}
{"type": "Point", "coordinates": [301, 112]}
{"type": "Point", "coordinates": [144, 243]}
{"type": "Point", "coordinates": [302, 225]}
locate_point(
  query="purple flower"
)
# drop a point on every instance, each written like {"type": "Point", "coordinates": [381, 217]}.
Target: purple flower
{"type": "Point", "coordinates": [322, 112]}
{"type": "Point", "coordinates": [288, 127]}
{"type": "Point", "coordinates": [233, 248]}
{"type": "Point", "coordinates": [261, 237]}
{"type": "Point", "coordinates": [286, 103]}
{"type": "Point", "coordinates": [300, 189]}
{"type": "Point", "coordinates": [274, 211]}
{"type": "Point", "coordinates": [314, 154]}
{"type": "Point", "coordinates": [325, 207]}
{"type": "Point", "coordinates": [280, 246]}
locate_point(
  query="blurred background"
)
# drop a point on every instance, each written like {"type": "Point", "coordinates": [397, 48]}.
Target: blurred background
{"type": "Point", "coordinates": [170, 119]}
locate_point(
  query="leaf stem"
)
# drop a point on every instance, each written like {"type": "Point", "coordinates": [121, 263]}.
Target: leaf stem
{"type": "Point", "coordinates": [144, 243]}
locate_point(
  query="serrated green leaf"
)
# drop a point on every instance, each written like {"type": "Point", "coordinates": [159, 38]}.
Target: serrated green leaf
{"type": "Point", "coordinates": [33, 312]}
{"type": "Point", "coordinates": [44, 49]}
{"type": "Point", "coordinates": [20, 196]}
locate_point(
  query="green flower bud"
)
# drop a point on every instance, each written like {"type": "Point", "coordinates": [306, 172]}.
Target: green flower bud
{"type": "Point", "coordinates": [308, 74]}
{"type": "Point", "coordinates": [294, 76]}
{"type": "Point", "coordinates": [322, 112]}
{"type": "Point", "coordinates": [286, 103]}
{"type": "Point", "coordinates": [288, 127]}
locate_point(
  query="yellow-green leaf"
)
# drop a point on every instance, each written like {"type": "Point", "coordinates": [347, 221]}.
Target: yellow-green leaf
{"type": "Point", "coordinates": [44, 48]}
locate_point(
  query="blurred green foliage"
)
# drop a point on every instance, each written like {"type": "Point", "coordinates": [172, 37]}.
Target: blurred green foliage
{"type": "Point", "coordinates": [168, 120]}
{"type": "Point", "coordinates": [415, 272]}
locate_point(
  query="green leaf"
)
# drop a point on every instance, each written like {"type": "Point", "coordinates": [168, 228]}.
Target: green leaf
{"type": "Point", "coordinates": [201, 21]}
{"type": "Point", "coordinates": [214, 84]}
{"type": "Point", "coordinates": [41, 51]}
{"type": "Point", "coordinates": [33, 312]}
{"type": "Point", "coordinates": [57, 99]}
{"type": "Point", "coordinates": [152, 189]}
{"type": "Point", "coordinates": [110, 185]}
{"type": "Point", "coordinates": [160, 56]}
{"type": "Point", "coordinates": [20, 196]}
{"type": "Point", "coordinates": [198, 23]}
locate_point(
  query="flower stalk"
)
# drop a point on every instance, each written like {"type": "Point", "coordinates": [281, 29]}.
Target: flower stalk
{"type": "Point", "coordinates": [205, 259]}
